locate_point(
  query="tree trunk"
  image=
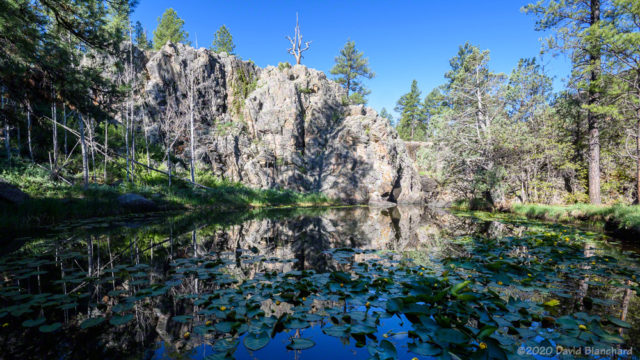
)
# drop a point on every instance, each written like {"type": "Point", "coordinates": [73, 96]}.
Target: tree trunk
{"type": "Point", "coordinates": [146, 142]}
{"type": "Point", "coordinates": [29, 131]}
{"type": "Point", "coordinates": [638, 160]}
{"type": "Point", "coordinates": [169, 165]}
{"type": "Point", "coordinates": [7, 139]}
{"type": "Point", "coordinates": [93, 153]}
{"type": "Point", "coordinates": [83, 146]}
{"type": "Point", "coordinates": [18, 139]}
{"type": "Point", "coordinates": [193, 151]}
{"type": "Point", "coordinates": [54, 117]}
{"type": "Point", "coordinates": [592, 119]}
{"type": "Point", "coordinates": [125, 118]}
{"type": "Point", "coordinates": [64, 122]}
{"type": "Point", "coordinates": [106, 148]}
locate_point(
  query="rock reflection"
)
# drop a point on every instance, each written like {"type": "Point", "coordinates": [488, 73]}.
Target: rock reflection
{"type": "Point", "coordinates": [165, 265]}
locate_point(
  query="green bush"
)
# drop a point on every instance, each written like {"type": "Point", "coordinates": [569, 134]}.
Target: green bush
{"type": "Point", "coordinates": [284, 65]}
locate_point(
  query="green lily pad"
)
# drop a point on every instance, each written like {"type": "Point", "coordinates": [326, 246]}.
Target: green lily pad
{"type": "Point", "coordinates": [34, 322]}
{"type": "Point", "coordinates": [50, 328]}
{"type": "Point", "coordinates": [120, 320]}
{"type": "Point", "coordinates": [256, 341]}
{"type": "Point", "coordinates": [300, 344]}
{"type": "Point", "coordinates": [92, 322]}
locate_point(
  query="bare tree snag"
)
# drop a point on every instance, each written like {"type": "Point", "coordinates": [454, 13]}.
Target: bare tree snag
{"type": "Point", "coordinates": [29, 130]}
{"type": "Point", "coordinates": [296, 48]}
{"type": "Point", "coordinates": [54, 116]}
{"type": "Point", "coordinates": [83, 146]}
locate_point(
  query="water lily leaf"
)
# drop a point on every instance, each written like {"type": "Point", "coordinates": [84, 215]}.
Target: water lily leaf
{"type": "Point", "coordinates": [92, 322]}
{"type": "Point", "coordinates": [486, 330]}
{"type": "Point", "coordinates": [425, 349]}
{"type": "Point", "coordinates": [552, 302]}
{"type": "Point", "coordinates": [50, 328]}
{"type": "Point", "coordinates": [296, 324]}
{"type": "Point", "coordinates": [120, 320]}
{"type": "Point", "coordinates": [619, 322]}
{"type": "Point", "coordinates": [451, 336]}
{"type": "Point", "coordinates": [456, 288]}
{"type": "Point", "coordinates": [337, 331]}
{"type": "Point", "coordinates": [34, 322]}
{"type": "Point", "coordinates": [300, 344]}
{"type": "Point", "coordinates": [256, 341]}
{"type": "Point", "coordinates": [387, 350]}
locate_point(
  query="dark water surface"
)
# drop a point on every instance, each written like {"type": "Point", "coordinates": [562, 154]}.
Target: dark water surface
{"type": "Point", "coordinates": [338, 283]}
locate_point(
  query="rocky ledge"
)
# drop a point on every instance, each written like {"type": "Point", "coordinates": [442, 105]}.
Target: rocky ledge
{"type": "Point", "coordinates": [278, 127]}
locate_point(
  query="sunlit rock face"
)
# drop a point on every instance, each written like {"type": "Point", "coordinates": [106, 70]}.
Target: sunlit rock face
{"type": "Point", "coordinates": [282, 127]}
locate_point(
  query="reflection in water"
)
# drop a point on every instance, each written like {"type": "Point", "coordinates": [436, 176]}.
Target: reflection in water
{"type": "Point", "coordinates": [142, 287]}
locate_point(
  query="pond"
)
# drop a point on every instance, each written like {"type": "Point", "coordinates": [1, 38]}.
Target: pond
{"type": "Point", "coordinates": [355, 282]}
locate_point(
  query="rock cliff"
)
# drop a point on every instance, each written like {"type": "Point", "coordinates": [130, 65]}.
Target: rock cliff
{"type": "Point", "coordinates": [277, 127]}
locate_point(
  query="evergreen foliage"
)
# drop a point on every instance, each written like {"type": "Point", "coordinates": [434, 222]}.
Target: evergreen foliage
{"type": "Point", "coordinates": [170, 28]}
{"type": "Point", "coordinates": [223, 41]}
{"type": "Point", "coordinates": [351, 66]}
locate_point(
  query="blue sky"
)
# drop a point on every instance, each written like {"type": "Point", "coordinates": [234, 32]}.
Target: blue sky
{"type": "Point", "coordinates": [404, 40]}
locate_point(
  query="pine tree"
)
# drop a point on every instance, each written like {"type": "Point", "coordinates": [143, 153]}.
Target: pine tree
{"type": "Point", "coordinates": [572, 20]}
{"type": "Point", "coordinates": [223, 41]}
{"type": "Point", "coordinates": [170, 28]}
{"type": "Point", "coordinates": [41, 51]}
{"type": "Point", "coordinates": [619, 34]}
{"type": "Point", "coordinates": [411, 123]}
{"type": "Point", "coordinates": [434, 104]}
{"type": "Point", "coordinates": [141, 37]}
{"type": "Point", "coordinates": [350, 67]}
{"type": "Point", "coordinates": [385, 114]}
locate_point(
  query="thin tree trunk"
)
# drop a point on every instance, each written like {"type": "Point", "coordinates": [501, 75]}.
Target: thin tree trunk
{"type": "Point", "coordinates": [93, 156]}
{"type": "Point", "coordinates": [29, 131]}
{"type": "Point", "coordinates": [7, 138]}
{"type": "Point", "coordinates": [131, 117]}
{"type": "Point", "coordinates": [592, 118]}
{"type": "Point", "coordinates": [133, 150]}
{"type": "Point", "coordinates": [18, 139]}
{"type": "Point", "coordinates": [193, 151]}
{"type": "Point", "coordinates": [169, 165]}
{"type": "Point", "coordinates": [83, 146]}
{"type": "Point", "coordinates": [126, 140]}
{"type": "Point", "coordinates": [146, 141]}
{"type": "Point", "coordinates": [54, 116]}
{"type": "Point", "coordinates": [64, 122]}
{"type": "Point", "coordinates": [638, 160]}
{"type": "Point", "coordinates": [106, 148]}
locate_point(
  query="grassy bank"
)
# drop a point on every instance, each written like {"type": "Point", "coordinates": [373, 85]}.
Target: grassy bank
{"type": "Point", "coordinates": [625, 218]}
{"type": "Point", "coordinates": [53, 202]}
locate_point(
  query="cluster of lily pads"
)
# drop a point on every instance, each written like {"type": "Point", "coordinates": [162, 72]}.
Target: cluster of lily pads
{"type": "Point", "coordinates": [505, 294]}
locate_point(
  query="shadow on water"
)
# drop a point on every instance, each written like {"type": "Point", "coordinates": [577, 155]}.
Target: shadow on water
{"type": "Point", "coordinates": [355, 282]}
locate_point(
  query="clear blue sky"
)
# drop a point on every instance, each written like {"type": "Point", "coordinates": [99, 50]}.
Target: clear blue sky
{"type": "Point", "coordinates": [404, 40]}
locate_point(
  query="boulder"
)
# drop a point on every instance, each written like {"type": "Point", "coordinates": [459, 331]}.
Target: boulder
{"type": "Point", "coordinates": [136, 202]}
{"type": "Point", "coordinates": [12, 194]}
{"type": "Point", "coordinates": [285, 128]}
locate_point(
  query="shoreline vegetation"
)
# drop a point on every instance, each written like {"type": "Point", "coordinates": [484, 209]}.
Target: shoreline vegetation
{"type": "Point", "coordinates": [52, 203]}
{"type": "Point", "coordinates": [620, 221]}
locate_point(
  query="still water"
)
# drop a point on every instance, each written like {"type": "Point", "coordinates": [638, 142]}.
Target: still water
{"type": "Point", "coordinates": [361, 283]}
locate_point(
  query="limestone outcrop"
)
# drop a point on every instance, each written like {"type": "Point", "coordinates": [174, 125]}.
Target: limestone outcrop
{"type": "Point", "coordinates": [278, 127]}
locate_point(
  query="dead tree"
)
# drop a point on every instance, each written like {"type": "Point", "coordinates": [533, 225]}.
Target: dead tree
{"type": "Point", "coordinates": [191, 127]}
{"type": "Point", "coordinates": [7, 139]}
{"type": "Point", "coordinates": [54, 116]}
{"type": "Point", "coordinates": [83, 146]}
{"type": "Point", "coordinates": [29, 130]}
{"type": "Point", "coordinates": [296, 48]}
